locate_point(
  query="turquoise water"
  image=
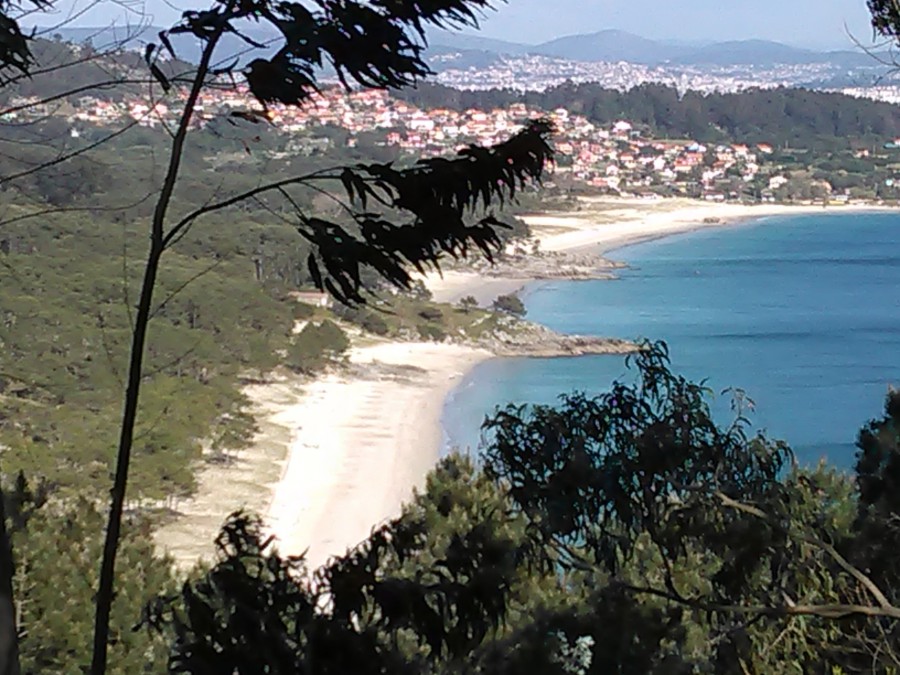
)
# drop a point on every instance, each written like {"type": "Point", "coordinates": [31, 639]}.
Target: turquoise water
{"type": "Point", "coordinates": [803, 313]}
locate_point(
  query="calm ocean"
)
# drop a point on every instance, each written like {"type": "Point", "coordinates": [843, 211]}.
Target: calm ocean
{"type": "Point", "coordinates": [802, 313]}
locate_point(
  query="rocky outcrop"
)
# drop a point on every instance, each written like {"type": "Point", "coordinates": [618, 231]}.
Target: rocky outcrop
{"type": "Point", "coordinates": [522, 338]}
{"type": "Point", "coordinates": [577, 345]}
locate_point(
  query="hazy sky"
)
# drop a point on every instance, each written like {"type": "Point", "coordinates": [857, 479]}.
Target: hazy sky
{"type": "Point", "coordinates": [810, 23]}
{"type": "Point", "coordinates": [817, 23]}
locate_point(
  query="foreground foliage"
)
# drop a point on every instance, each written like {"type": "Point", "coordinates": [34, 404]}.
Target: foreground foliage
{"type": "Point", "coordinates": [58, 546]}
{"type": "Point", "coordinates": [626, 533]}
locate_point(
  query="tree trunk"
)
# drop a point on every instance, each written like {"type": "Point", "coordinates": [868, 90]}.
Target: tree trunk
{"type": "Point", "coordinates": [106, 590]}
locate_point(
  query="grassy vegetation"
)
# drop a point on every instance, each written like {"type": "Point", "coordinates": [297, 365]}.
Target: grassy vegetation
{"type": "Point", "coordinates": [65, 319]}
{"type": "Point", "coordinates": [408, 317]}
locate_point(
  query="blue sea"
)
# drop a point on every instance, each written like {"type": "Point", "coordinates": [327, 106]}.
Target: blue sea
{"type": "Point", "coordinates": [802, 313]}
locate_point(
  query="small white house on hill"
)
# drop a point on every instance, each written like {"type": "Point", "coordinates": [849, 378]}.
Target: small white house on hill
{"type": "Point", "coordinates": [314, 298]}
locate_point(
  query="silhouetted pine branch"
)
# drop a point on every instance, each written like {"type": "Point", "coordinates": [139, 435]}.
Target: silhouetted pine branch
{"type": "Point", "coordinates": [445, 207]}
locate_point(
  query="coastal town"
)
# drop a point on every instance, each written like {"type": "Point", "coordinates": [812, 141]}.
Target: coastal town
{"type": "Point", "coordinates": [619, 159]}
{"type": "Point", "coordinates": [534, 72]}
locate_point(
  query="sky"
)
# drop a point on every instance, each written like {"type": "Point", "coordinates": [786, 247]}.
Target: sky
{"type": "Point", "coordinates": [806, 23]}
{"type": "Point", "coordinates": [822, 24]}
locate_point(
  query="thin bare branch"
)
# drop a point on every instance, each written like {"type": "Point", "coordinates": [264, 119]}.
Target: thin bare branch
{"type": "Point", "coordinates": [842, 562]}
{"type": "Point", "coordinates": [65, 157]}
{"type": "Point", "coordinates": [824, 611]}
{"type": "Point", "coordinates": [171, 296]}
{"type": "Point", "coordinates": [99, 86]}
{"type": "Point", "coordinates": [74, 209]}
{"type": "Point", "coordinates": [324, 174]}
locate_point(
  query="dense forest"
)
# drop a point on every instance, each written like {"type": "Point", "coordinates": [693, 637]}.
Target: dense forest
{"type": "Point", "coordinates": [627, 533]}
{"type": "Point", "coordinates": [72, 246]}
{"type": "Point", "coordinates": [781, 116]}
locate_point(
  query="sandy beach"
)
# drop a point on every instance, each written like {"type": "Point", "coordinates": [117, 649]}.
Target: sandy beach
{"type": "Point", "coordinates": [334, 457]}
{"type": "Point", "coordinates": [363, 445]}
{"type": "Point", "coordinates": [339, 455]}
{"type": "Point", "coordinates": [602, 224]}
{"type": "Point", "coordinates": [608, 223]}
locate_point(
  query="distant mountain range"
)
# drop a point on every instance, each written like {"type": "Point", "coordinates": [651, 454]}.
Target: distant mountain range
{"type": "Point", "coordinates": [607, 45]}
{"type": "Point", "coordinates": [617, 45]}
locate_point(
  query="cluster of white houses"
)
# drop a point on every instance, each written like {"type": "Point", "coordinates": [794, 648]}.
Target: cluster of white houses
{"type": "Point", "coordinates": [616, 158]}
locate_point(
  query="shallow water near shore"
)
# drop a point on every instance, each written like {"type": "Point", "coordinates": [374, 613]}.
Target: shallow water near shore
{"type": "Point", "coordinates": [803, 313]}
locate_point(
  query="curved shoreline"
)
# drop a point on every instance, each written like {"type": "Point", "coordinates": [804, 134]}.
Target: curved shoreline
{"type": "Point", "coordinates": [335, 457]}
{"type": "Point", "coordinates": [363, 444]}
{"type": "Point", "coordinates": [622, 222]}
{"type": "Point", "coordinates": [339, 455]}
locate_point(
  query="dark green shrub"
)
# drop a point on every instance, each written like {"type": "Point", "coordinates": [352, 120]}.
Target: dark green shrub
{"type": "Point", "coordinates": [316, 346]}
{"type": "Point", "coordinates": [334, 339]}
{"type": "Point", "coordinates": [431, 314]}
{"type": "Point", "coordinates": [510, 304]}
{"type": "Point", "coordinates": [468, 303]}
{"type": "Point", "coordinates": [375, 323]}
{"type": "Point", "coordinates": [353, 315]}
{"type": "Point", "coordinates": [369, 321]}
{"type": "Point", "coordinates": [303, 311]}
{"type": "Point", "coordinates": [430, 331]}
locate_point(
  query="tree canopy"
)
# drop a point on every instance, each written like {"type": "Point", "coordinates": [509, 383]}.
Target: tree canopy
{"type": "Point", "coordinates": [624, 533]}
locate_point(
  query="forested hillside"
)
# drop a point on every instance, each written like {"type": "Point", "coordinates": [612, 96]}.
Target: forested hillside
{"type": "Point", "coordinates": [782, 116]}
{"type": "Point", "coordinates": [72, 244]}
{"type": "Point", "coordinates": [76, 69]}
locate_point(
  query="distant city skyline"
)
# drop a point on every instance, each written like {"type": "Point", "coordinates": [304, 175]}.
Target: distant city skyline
{"type": "Point", "coordinates": [819, 24]}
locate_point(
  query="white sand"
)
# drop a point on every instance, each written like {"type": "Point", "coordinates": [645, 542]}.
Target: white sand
{"type": "Point", "coordinates": [336, 456]}
{"type": "Point", "coordinates": [610, 223]}
{"type": "Point", "coordinates": [363, 445]}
